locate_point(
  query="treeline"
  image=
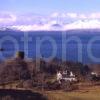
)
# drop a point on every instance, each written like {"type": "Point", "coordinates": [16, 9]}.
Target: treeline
{"type": "Point", "coordinates": [18, 69]}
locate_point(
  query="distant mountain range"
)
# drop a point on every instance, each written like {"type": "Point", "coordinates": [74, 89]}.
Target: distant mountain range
{"type": "Point", "coordinates": [53, 22]}
{"type": "Point", "coordinates": [81, 24]}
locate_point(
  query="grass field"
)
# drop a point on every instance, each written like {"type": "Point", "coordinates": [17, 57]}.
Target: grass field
{"type": "Point", "coordinates": [83, 93]}
{"type": "Point", "coordinates": [92, 93]}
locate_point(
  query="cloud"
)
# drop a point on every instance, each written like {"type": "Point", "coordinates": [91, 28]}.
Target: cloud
{"type": "Point", "coordinates": [72, 15]}
{"type": "Point", "coordinates": [65, 21]}
{"type": "Point", "coordinates": [84, 16]}
{"type": "Point", "coordinates": [94, 15]}
{"type": "Point", "coordinates": [55, 14]}
{"type": "Point", "coordinates": [7, 18]}
{"type": "Point", "coordinates": [13, 17]}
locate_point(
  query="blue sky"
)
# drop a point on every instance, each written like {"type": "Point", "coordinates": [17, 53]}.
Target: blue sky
{"type": "Point", "coordinates": [42, 14]}
{"type": "Point", "coordinates": [50, 6]}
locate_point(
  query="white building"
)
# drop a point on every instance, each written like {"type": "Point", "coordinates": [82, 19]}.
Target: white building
{"type": "Point", "coordinates": [64, 76]}
{"type": "Point", "coordinates": [59, 77]}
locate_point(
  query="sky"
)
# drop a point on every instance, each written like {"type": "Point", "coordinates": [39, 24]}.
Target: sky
{"type": "Point", "coordinates": [43, 14]}
{"type": "Point", "coordinates": [50, 6]}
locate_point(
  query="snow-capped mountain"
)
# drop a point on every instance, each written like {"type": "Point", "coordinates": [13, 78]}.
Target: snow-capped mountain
{"type": "Point", "coordinates": [80, 24]}
{"type": "Point", "coordinates": [53, 22]}
{"type": "Point", "coordinates": [84, 24]}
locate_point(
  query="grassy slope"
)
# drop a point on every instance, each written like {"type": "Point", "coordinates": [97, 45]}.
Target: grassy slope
{"type": "Point", "coordinates": [74, 96]}
{"type": "Point", "coordinates": [89, 94]}
{"type": "Point", "coordinates": [85, 93]}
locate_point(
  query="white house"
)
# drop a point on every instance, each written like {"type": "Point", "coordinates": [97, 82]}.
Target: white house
{"type": "Point", "coordinates": [64, 76]}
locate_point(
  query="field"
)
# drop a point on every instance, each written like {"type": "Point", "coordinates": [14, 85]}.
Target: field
{"type": "Point", "coordinates": [83, 93]}
{"type": "Point", "coordinates": [92, 93]}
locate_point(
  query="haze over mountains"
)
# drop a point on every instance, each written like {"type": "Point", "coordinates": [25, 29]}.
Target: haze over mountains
{"type": "Point", "coordinates": [53, 22]}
